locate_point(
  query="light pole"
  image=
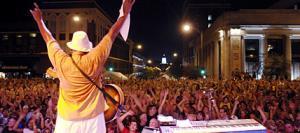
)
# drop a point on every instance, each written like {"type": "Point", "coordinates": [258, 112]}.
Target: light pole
{"type": "Point", "coordinates": [196, 39]}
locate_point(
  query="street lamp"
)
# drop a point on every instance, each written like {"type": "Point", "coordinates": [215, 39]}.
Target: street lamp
{"type": "Point", "coordinates": [139, 46]}
{"type": "Point", "coordinates": [149, 61]}
{"type": "Point", "coordinates": [111, 69]}
{"type": "Point", "coordinates": [76, 18]}
{"type": "Point", "coordinates": [175, 54]}
{"type": "Point", "coordinates": [186, 27]}
{"type": "Point", "coordinates": [202, 71]}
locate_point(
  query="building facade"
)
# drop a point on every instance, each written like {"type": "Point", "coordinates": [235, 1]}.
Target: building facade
{"type": "Point", "coordinates": [242, 40]}
{"type": "Point", "coordinates": [22, 50]}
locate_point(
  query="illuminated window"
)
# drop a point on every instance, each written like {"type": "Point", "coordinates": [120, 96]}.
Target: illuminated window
{"type": "Point", "coordinates": [209, 24]}
{"type": "Point", "coordinates": [5, 37]}
{"type": "Point", "coordinates": [164, 60]}
{"type": "Point", "coordinates": [70, 36]}
{"type": "Point", "coordinates": [32, 35]}
{"type": "Point", "coordinates": [209, 17]}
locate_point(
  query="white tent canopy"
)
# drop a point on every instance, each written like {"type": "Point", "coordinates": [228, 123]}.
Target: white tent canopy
{"type": "Point", "coordinates": [115, 75]}
{"type": "Point", "coordinates": [166, 76]}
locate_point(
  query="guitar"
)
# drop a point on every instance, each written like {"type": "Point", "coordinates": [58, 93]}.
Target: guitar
{"type": "Point", "coordinates": [117, 94]}
{"type": "Point", "coordinates": [113, 90]}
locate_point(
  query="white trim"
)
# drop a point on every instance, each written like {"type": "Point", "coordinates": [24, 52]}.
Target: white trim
{"type": "Point", "coordinates": [254, 36]}
{"type": "Point", "coordinates": [295, 36]}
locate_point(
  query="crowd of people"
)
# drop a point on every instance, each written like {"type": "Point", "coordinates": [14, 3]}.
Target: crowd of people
{"type": "Point", "coordinates": [29, 105]}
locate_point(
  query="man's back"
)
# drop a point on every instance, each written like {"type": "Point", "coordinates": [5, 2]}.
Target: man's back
{"type": "Point", "coordinates": [78, 97]}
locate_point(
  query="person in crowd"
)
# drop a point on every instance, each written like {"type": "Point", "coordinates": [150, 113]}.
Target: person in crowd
{"type": "Point", "coordinates": [11, 126]}
{"type": "Point", "coordinates": [154, 123]}
{"type": "Point", "coordinates": [143, 121]}
{"type": "Point", "coordinates": [131, 126]}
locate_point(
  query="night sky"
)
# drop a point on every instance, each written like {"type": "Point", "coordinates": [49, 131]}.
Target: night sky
{"type": "Point", "coordinates": [154, 23]}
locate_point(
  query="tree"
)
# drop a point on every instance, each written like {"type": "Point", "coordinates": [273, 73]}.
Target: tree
{"type": "Point", "coordinates": [190, 71]}
{"type": "Point", "coordinates": [175, 70]}
{"type": "Point", "coordinates": [150, 73]}
{"type": "Point", "coordinates": [276, 65]}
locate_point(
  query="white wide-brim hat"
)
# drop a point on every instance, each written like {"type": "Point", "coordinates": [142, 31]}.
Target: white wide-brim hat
{"type": "Point", "coordinates": [80, 42]}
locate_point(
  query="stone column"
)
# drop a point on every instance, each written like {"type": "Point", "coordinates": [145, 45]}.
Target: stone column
{"type": "Point", "coordinates": [222, 60]}
{"type": "Point", "coordinates": [288, 55]}
{"type": "Point", "coordinates": [211, 60]}
{"type": "Point", "coordinates": [216, 60]}
{"type": "Point", "coordinates": [265, 50]}
{"type": "Point", "coordinates": [243, 55]}
{"type": "Point", "coordinates": [207, 59]}
{"type": "Point", "coordinates": [236, 53]}
{"type": "Point", "coordinates": [226, 55]}
{"type": "Point", "coordinates": [261, 55]}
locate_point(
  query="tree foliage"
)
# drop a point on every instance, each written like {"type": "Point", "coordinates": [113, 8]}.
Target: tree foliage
{"type": "Point", "coordinates": [150, 73]}
{"type": "Point", "coordinates": [276, 65]}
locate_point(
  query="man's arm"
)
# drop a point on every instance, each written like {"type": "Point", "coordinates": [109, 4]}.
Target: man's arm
{"type": "Point", "coordinates": [115, 29]}
{"type": "Point", "coordinates": [37, 15]}
{"type": "Point", "coordinates": [163, 101]}
{"type": "Point", "coordinates": [102, 50]}
{"type": "Point", "coordinates": [137, 102]}
{"type": "Point", "coordinates": [215, 106]}
{"type": "Point", "coordinates": [262, 113]}
{"type": "Point", "coordinates": [236, 102]}
{"type": "Point", "coordinates": [120, 119]}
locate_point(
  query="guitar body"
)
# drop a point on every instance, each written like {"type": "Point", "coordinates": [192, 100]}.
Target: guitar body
{"type": "Point", "coordinates": [113, 90]}
{"type": "Point", "coordinates": [117, 94]}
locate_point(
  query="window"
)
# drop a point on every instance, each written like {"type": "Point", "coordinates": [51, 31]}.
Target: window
{"type": "Point", "coordinates": [252, 56]}
{"type": "Point", "coordinates": [295, 59]}
{"type": "Point", "coordinates": [275, 46]}
{"type": "Point", "coordinates": [70, 36]}
{"type": "Point", "coordinates": [19, 39]}
{"type": "Point", "coordinates": [33, 35]}
{"type": "Point", "coordinates": [209, 24]}
{"type": "Point", "coordinates": [62, 36]}
{"type": "Point", "coordinates": [252, 50]}
{"type": "Point", "coordinates": [295, 50]}
{"type": "Point", "coordinates": [209, 17]}
{"type": "Point", "coordinates": [4, 37]}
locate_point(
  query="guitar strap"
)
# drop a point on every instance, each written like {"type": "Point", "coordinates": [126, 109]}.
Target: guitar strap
{"type": "Point", "coordinates": [105, 94]}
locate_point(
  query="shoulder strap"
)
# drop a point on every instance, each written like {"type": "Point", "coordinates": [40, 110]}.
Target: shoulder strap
{"type": "Point", "coordinates": [105, 94]}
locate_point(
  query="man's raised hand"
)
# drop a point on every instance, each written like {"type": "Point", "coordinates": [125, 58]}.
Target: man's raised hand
{"type": "Point", "coordinates": [36, 13]}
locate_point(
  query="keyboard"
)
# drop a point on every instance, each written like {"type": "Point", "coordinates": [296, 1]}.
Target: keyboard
{"type": "Point", "coordinates": [236, 126]}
